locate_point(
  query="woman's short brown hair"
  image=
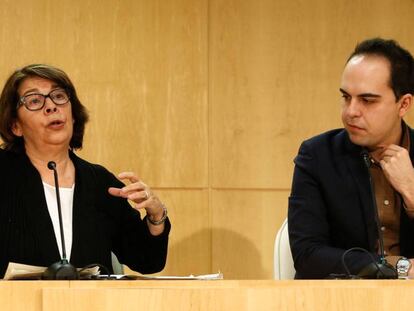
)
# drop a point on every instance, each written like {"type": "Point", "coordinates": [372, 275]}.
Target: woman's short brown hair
{"type": "Point", "coordinates": [10, 97]}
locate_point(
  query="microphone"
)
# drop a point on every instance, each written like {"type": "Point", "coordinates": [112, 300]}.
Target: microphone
{"type": "Point", "coordinates": [61, 270]}
{"type": "Point", "coordinates": [382, 269]}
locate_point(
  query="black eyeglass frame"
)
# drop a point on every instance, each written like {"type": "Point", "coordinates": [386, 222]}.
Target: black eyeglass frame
{"type": "Point", "coordinates": [23, 102]}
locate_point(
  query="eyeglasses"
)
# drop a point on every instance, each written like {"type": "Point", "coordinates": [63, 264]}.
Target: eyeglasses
{"type": "Point", "coordinates": [36, 101]}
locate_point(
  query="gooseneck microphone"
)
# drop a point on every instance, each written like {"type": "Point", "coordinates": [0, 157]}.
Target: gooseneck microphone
{"type": "Point", "coordinates": [381, 270]}
{"type": "Point", "coordinates": [61, 270]}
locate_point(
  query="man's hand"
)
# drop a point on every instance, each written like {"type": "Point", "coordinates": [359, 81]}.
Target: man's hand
{"type": "Point", "coordinates": [397, 167]}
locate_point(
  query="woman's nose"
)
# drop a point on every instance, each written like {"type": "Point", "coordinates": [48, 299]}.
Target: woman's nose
{"type": "Point", "coordinates": [50, 106]}
{"type": "Point", "coordinates": [50, 109]}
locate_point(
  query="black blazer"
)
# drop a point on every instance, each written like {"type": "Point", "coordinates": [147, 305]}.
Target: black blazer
{"type": "Point", "coordinates": [330, 207]}
{"type": "Point", "coordinates": [101, 223]}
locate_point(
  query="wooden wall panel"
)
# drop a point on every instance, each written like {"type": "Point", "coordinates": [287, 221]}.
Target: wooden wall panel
{"type": "Point", "coordinates": [275, 68]}
{"type": "Point", "coordinates": [244, 227]}
{"type": "Point", "coordinates": [190, 243]}
{"type": "Point", "coordinates": [163, 81]}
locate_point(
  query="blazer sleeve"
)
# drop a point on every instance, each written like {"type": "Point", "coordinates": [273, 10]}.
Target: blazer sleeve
{"type": "Point", "coordinates": [314, 253]}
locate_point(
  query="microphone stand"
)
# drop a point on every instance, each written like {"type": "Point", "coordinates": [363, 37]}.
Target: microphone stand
{"type": "Point", "coordinates": [381, 270]}
{"type": "Point", "coordinates": [61, 270]}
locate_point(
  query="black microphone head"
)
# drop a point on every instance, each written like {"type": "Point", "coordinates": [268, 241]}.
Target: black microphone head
{"type": "Point", "coordinates": [51, 165]}
{"type": "Point", "coordinates": [378, 271]}
{"type": "Point", "coordinates": [61, 270]}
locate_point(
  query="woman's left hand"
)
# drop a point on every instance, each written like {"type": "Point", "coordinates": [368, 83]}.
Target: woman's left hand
{"type": "Point", "coordinates": [142, 196]}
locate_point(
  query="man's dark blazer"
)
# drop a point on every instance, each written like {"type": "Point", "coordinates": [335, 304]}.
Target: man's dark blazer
{"type": "Point", "coordinates": [331, 210]}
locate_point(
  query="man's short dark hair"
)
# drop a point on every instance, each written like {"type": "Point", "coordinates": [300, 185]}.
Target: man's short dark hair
{"type": "Point", "coordinates": [401, 61]}
{"type": "Point", "coordinates": [10, 97]}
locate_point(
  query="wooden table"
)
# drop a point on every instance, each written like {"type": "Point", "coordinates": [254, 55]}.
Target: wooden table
{"type": "Point", "coordinates": [207, 295]}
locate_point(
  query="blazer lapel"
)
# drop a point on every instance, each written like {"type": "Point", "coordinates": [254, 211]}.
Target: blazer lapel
{"type": "Point", "coordinates": [83, 199]}
{"type": "Point", "coordinates": [78, 202]}
{"type": "Point", "coordinates": [35, 201]}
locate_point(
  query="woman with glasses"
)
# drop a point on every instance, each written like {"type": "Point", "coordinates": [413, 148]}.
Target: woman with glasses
{"type": "Point", "coordinates": [42, 120]}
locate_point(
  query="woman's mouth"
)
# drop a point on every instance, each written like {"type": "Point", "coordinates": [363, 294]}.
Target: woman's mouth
{"type": "Point", "coordinates": [56, 124]}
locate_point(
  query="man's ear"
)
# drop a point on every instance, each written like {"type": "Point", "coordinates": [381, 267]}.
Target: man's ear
{"type": "Point", "coordinates": [405, 104]}
{"type": "Point", "coordinates": [16, 129]}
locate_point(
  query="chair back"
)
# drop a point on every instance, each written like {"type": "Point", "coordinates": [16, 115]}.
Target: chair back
{"type": "Point", "coordinates": [283, 261]}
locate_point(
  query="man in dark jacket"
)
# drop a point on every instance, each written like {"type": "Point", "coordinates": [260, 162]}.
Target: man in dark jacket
{"type": "Point", "coordinates": [331, 207]}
